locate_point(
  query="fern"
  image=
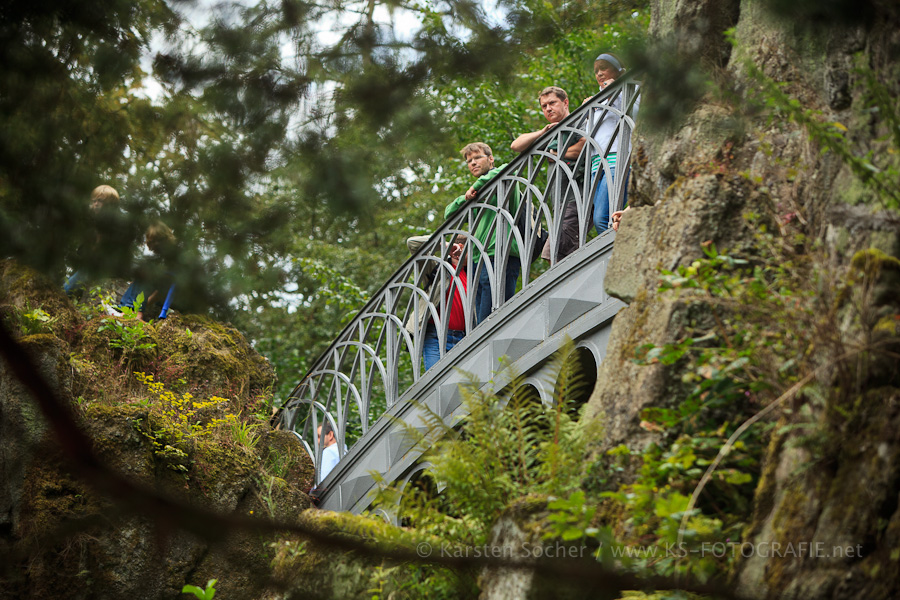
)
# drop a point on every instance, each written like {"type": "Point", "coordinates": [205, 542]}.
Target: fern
{"type": "Point", "coordinates": [511, 445]}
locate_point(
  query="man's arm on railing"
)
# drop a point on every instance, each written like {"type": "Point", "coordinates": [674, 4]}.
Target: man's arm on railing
{"type": "Point", "coordinates": [521, 143]}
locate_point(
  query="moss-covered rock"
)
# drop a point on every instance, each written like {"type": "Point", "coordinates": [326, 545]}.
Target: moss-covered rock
{"type": "Point", "coordinates": [519, 535]}
{"type": "Point", "coordinates": [102, 552]}
{"type": "Point", "coordinates": [285, 456]}
{"type": "Point", "coordinates": [23, 430]}
{"type": "Point", "coordinates": [830, 476]}
{"type": "Point", "coordinates": [59, 537]}
{"type": "Point", "coordinates": [214, 355]}
{"type": "Point", "coordinates": [132, 343]}
{"type": "Point", "coordinates": [829, 503]}
{"type": "Point", "coordinates": [311, 571]}
{"type": "Point", "coordinates": [648, 320]}
{"type": "Point", "coordinates": [22, 291]}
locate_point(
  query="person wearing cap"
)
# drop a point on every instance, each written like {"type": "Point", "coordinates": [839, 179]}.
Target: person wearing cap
{"type": "Point", "coordinates": [554, 103]}
{"type": "Point", "coordinates": [607, 68]}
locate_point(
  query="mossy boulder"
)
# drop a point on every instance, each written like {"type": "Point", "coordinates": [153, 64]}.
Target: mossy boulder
{"type": "Point", "coordinates": [624, 387]}
{"type": "Point", "coordinates": [830, 473]}
{"type": "Point", "coordinates": [23, 430]}
{"type": "Point", "coordinates": [126, 340]}
{"type": "Point", "coordinates": [518, 533]}
{"type": "Point", "coordinates": [22, 291]}
{"type": "Point", "coordinates": [212, 354]}
{"type": "Point", "coordinates": [308, 570]}
{"type": "Point", "coordinates": [830, 503]}
{"type": "Point", "coordinates": [59, 537]}
{"type": "Point", "coordinates": [523, 532]}
{"type": "Point", "coordinates": [285, 455]}
{"type": "Point", "coordinates": [103, 551]}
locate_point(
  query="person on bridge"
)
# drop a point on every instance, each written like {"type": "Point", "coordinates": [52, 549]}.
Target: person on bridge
{"type": "Point", "coordinates": [454, 286]}
{"type": "Point", "coordinates": [480, 160]}
{"type": "Point", "coordinates": [330, 455]}
{"type": "Point", "coordinates": [554, 103]}
{"type": "Point", "coordinates": [456, 321]}
{"type": "Point", "coordinates": [609, 137]}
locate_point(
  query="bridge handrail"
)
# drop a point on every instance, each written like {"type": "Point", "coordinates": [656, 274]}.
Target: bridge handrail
{"type": "Point", "coordinates": [528, 195]}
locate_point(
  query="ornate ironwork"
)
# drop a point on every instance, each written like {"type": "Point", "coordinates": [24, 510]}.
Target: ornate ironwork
{"type": "Point", "coordinates": [377, 358]}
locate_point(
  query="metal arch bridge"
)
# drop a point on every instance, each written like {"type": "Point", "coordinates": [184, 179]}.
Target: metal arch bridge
{"type": "Point", "coordinates": [371, 380]}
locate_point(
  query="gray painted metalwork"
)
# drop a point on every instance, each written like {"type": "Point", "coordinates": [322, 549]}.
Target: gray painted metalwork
{"type": "Point", "coordinates": [372, 375]}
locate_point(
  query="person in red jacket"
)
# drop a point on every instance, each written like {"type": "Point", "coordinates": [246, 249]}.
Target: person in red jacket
{"type": "Point", "coordinates": [456, 320]}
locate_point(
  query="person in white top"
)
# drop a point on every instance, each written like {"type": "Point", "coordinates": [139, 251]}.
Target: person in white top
{"type": "Point", "coordinates": [607, 68]}
{"type": "Point", "coordinates": [330, 455]}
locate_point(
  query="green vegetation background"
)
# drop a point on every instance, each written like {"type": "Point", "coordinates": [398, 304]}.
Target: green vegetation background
{"type": "Point", "coordinates": [290, 171]}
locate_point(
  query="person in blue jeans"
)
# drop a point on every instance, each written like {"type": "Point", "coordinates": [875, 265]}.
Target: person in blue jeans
{"type": "Point", "coordinates": [155, 276]}
{"type": "Point", "coordinates": [456, 320]}
{"type": "Point", "coordinates": [607, 68]}
{"type": "Point", "coordinates": [480, 161]}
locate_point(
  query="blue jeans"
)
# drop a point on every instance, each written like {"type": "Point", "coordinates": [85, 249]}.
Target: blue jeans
{"type": "Point", "coordinates": [483, 295]}
{"type": "Point", "coordinates": [130, 296]}
{"type": "Point", "coordinates": [601, 200]}
{"type": "Point", "coordinates": [76, 282]}
{"type": "Point", "coordinates": [431, 350]}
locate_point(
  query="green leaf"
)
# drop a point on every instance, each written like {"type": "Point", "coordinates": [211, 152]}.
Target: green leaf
{"type": "Point", "coordinates": [572, 534]}
{"type": "Point", "coordinates": [208, 594]}
{"type": "Point", "coordinates": [193, 589]}
{"type": "Point", "coordinates": [738, 477]}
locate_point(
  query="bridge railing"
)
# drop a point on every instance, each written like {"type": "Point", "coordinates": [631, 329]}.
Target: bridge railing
{"type": "Point", "coordinates": [378, 355]}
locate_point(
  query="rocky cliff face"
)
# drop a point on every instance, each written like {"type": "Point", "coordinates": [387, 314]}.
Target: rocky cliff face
{"type": "Point", "coordinates": [830, 478]}
{"type": "Point", "coordinates": [187, 427]}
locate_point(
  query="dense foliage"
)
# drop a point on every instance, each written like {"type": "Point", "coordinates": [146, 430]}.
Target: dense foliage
{"type": "Point", "coordinates": [280, 153]}
{"type": "Point", "coordinates": [770, 328]}
{"type": "Point", "coordinates": [463, 106]}
{"type": "Point", "coordinates": [510, 446]}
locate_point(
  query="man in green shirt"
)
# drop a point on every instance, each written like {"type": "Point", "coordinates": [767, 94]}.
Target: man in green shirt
{"type": "Point", "coordinates": [480, 161]}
